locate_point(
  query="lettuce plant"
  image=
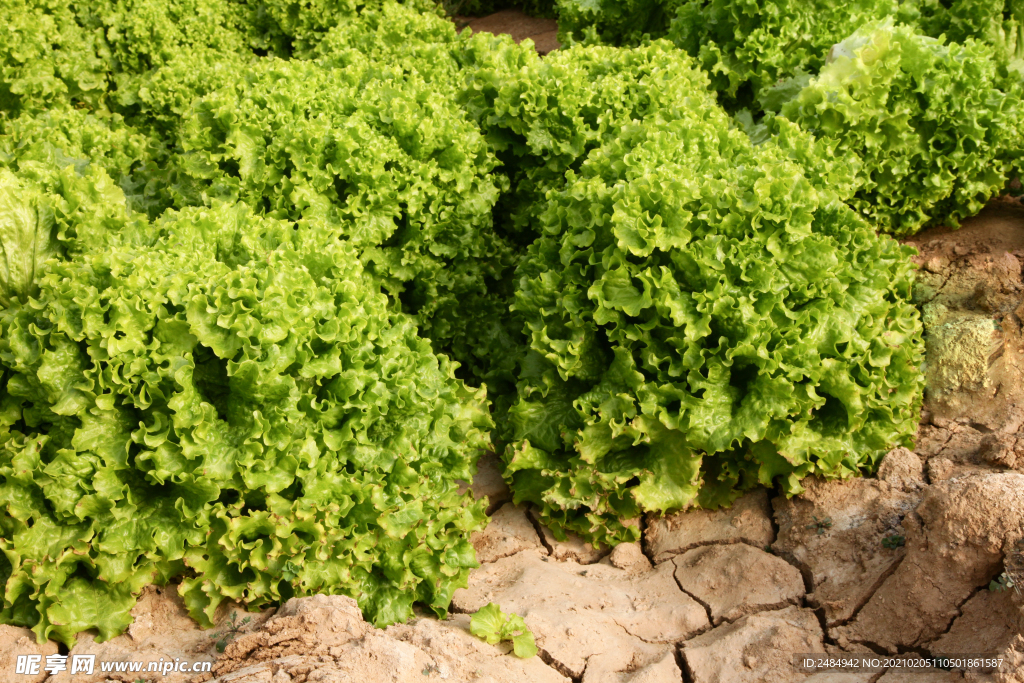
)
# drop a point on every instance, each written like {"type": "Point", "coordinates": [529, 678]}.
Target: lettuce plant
{"type": "Point", "coordinates": [624, 22]}
{"type": "Point", "coordinates": [543, 117]}
{"type": "Point", "coordinates": [382, 154]}
{"type": "Point", "coordinates": [748, 47]}
{"type": "Point", "coordinates": [80, 51]}
{"type": "Point", "coordinates": [959, 20]}
{"type": "Point", "coordinates": [702, 318]}
{"type": "Point", "coordinates": [932, 132]}
{"type": "Point", "coordinates": [397, 35]}
{"type": "Point", "coordinates": [226, 398]}
{"type": "Point", "coordinates": [492, 625]}
{"type": "Point", "coordinates": [90, 50]}
{"type": "Point", "coordinates": [283, 27]}
{"type": "Point", "coordinates": [745, 46]}
{"type": "Point", "coordinates": [69, 136]}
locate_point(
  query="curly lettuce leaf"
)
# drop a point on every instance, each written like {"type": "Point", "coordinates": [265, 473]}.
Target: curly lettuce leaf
{"type": "Point", "coordinates": [26, 237]}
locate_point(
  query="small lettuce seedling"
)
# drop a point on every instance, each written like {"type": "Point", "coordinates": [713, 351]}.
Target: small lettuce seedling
{"type": "Point", "coordinates": [821, 524]}
{"type": "Point", "coordinates": [894, 541]}
{"type": "Point", "coordinates": [1001, 583]}
{"type": "Point", "coordinates": [494, 626]}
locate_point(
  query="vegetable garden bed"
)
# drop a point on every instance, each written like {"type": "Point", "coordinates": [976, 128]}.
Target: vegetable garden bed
{"type": "Point", "coordinates": [274, 278]}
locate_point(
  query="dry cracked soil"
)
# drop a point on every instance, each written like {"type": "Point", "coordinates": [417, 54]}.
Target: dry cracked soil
{"type": "Point", "coordinates": [897, 564]}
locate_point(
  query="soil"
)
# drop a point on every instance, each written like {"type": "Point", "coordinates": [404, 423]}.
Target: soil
{"type": "Point", "coordinates": [896, 564]}
{"type": "Point", "coordinates": [542, 32]}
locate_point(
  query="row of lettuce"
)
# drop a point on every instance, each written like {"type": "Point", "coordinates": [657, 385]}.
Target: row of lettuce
{"type": "Point", "coordinates": [921, 95]}
{"type": "Point", "coordinates": [274, 275]}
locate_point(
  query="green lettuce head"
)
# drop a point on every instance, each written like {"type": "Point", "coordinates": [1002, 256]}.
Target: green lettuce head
{"type": "Point", "coordinates": [748, 46]}
{"type": "Point", "coordinates": [745, 46]}
{"type": "Point", "coordinates": [382, 154]}
{"type": "Point", "coordinates": [232, 400]}
{"type": "Point", "coordinates": [932, 133]}
{"type": "Point", "coordinates": [703, 318]}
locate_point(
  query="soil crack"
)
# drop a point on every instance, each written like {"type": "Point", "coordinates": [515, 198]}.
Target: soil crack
{"type": "Point", "coordinates": [706, 606]}
{"type": "Point", "coordinates": [960, 605]}
{"type": "Point", "coordinates": [882, 578]}
{"type": "Point", "coordinates": [683, 666]}
{"type": "Point", "coordinates": [644, 545]}
{"type": "Point", "coordinates": [670, 554]}
{"type": "Point", "coordinates": [537, 527]}
{"type": "Point", "coordinates": [546, 657]}
{"type": "Point", "coordinates": [823, 623]}
{"type": "Point", "coordinates": [633, 635]}
{"type": "Point", "coordinates": [805, 571]}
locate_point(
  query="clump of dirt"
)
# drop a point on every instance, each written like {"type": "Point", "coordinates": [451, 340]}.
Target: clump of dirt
{"type": "Point", "coordinates": [961, 347]}
{"type": "Point", "coordinates": [971, 292]}
{"type": "Point", "coordinates": [15, 641]}
{"type": "Point", "coordinates": [734, 580]}
{"type": "Point", "coordinates": [324, 638]}
{"type": "Point", "coordinates": [748, 520]}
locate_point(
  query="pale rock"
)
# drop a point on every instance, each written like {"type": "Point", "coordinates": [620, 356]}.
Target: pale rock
{"type": "Point", "coordinates": [902, 469]}
{"type": "Point", "coordinates": [628, 556]}
{"type": "Point", "coordinates": [768, 639]}
{"type": "Point", "coordinates": [578, 611]}
{"type": "Point", "coordinates": [833, 532]}
{"type": "Point", "coordinates": [749, 520]}
{"type": "Point", "coordinates": [311, 625]}
{"type": "Point", "coordinates": [508, 532]}
{"type": "Point", "coordinates": [736, 579]}
{"type": "Point", "coordinates": [940, 469]}
{"type": "Point", "coordinates": [1000, 450]}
